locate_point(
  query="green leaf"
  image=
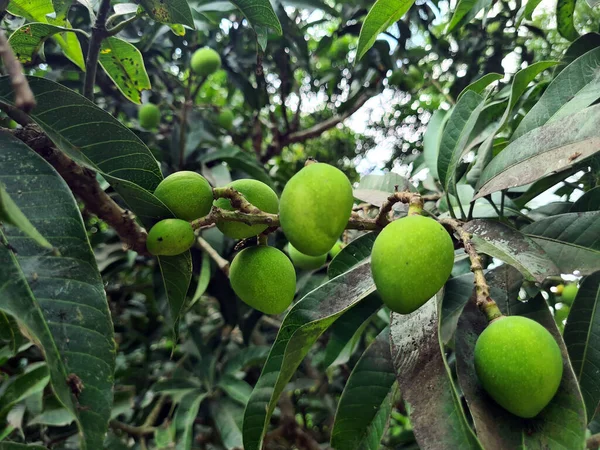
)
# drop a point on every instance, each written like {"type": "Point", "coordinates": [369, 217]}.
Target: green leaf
{"type": "Point", "coordinates": [590, 201]}
{"type": "Point", "coordinates": [550, 148]}
{"type": "Point", "coordinates": [496, 428]}
{"type": "Point", "coordinates": [246, 357]}
{"type": "Point", "coordinates": [59, 300]}
{"type": "Point", "coordinates": [302, 326]}
{"type": "Point", "coordinates": [171, 12]}
{"type": "Point", "coordinates": [530, 8]}
{"type": "Point", "coordinates": [354, 253]}
{"type": "Point", "coordinates": [456, 137]}
{"type": "Point", "coordinates": [203, 279]}
{"type": "Point", "coordinates": [228, 419]}
{"type": "Point", "coordinates": [564, 19]}
{"type": "Point", "coordinates": [22, 386]}
{"type": "Point", "coordinates": [54, 415]}
{"type": "Point", "coordinates": [364, 407]}
{"type": "Point", "coordinates": [15, 446]}
{"type": "Point", "coordinates": [381, 16]}
{"type": "Point", "coordinates": [261, 16]}
{"type": "Point", "coordinates": [465, 11]}
{"type": "Point", "coordinates": [426, 383]}
{"type": "Point", "coordinates": [238, 159]}
{"type": "Point", "coordinates": [571, 240]}
{"type": "Point", "coordinates": [27, 40]}
{"type": "Point", "coordinates": [185, 417]}
{"type": "Point", "coordinates": [237, 390]}
{"type": "Point", "coordinates": [513, 247]}
{"type": "Point", "coordinates": [177, 274]}
{"type": "Point", "coordinates": [312, 4]}
{"type": "Point", "coordinates": [576, 87]}
{"type": "Point", "coordinates": [457, 292]}
{"type": "Point", "coordinates": [375, 189]}
{"type": "Point", "coordinates": [479, 85]}
{"type": "Point", "coordinates": [432, 140]}
{"type": "Point", "coordinates": [582, 338]}
{"type": "Point", "coordinates": [124, 65]}
{"type": "Point", "coordinates": [12, 215]}
{"type": "Point", "coordinates": [578, 48]}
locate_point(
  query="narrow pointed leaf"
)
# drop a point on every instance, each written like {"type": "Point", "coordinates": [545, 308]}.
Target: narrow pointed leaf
{"type": "Point", "coordinates": [59, 300]}
{"type": "Point", "coordinates": [171, 12]}
{"type": "Point", "coordinates": [564, 18]}
{"type": "Point", "coordinates": [11, 214]}
{"type": "Point", "coordinates": [432, 140]}
{"type": "Point", "coordinates": [228, 420]}
{"type": "Point", "coordinates": [479, 86]}
{"type": "Point", "coordinates": [177, 274]}
{"type": "Point", "coordinates": [354, 253]}
{"type": "Point", "coordinates": [15, 446]}
{"type": "Point", "coordinates": [203, 279]}
{"type": "Point", "coordinates": [22, 386]}
{"type": "Point", "coordinates": [530, 8]}
{"type": "Point", "coordinates": [259, 13]}
{"type": "Point", "coordinates": [465, 11]}
{"type": "Point", "coordinates": [185, 417]}
{"type": "Point", "coordinates": [358, 423]}
{"type": "Point", "coordinates": [302, 326]}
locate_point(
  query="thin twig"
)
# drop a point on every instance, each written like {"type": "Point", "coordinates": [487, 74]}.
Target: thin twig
{"type": "Point", "coordinates": [24, 99]}
{"type": "Point", "coordinates": [99, 33]}
{"type": "Point", "coordinates": [132, 430]}
{"type": "Point", "coordinates": [414, 200]}
{"type": "Point", "coordinates": [221, 262]}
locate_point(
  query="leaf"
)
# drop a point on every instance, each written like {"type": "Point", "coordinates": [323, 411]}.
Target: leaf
{"type": "Point", "coordinates": [246, 357]}
{"type": "Point", "coordinates": [261, 16]}
{"type": "Point", "coordinates": [27, 40]}
{"type": "Point", "coordinates": [228, 420]}
{"type": "Point", "coordinates": [381, 16]}
{"type": "Point", "coordinates": [240, 160]}
{"type": "Point", "coordinates": [479, 85]}
{"type": "Point", "coordinates": [582, 338]}
{"type": "Point", "coordinates": [301, 327]}
{"type": "Point", "coordinates": [550, 148]}
{"type": "Point", "coordinates": [564, 19]}
{"type": "Point", "coordinates": [590, 201]}
{"type": "Point", "coordinates": [59, 300]}
{"type": "Point", "coordinates": [426, 383]}
{"type": "Point", "coordinates": [571, 240]}
{"type": "Point", "coordinates": [312, 4]}
{"type": "Point", "coordinates": [15, 446]}
{"type": "Point", "coordinates": [465, 11]}
{"type": "Point", "coordinates": [496, 427]}
{"type": "Point", "coordinates": [512, 247]}
{"type": "Point", "coordinates": [54, 415]}
{"type": "Point", "coordinates": [457, 292]}
{"type": "Point", "coordinates": [237, 390]}
{"type": "Point", "coordinates": [375, 189]}
{"type": "Point", "coordinates": [456, 137]}
{"type": "Point", "coordinates": [576, 87]}
{"type": "Point", "coordinates": [364, 407]}
{"type": "Point", "coordinates": [185, 417]}
{"type": "Point", "coordinates": [171, 12]}
{"type": "Point", "coordinates": [21, 387]}
{"type": "Point", "coordinates": [578, 48]}
{"type": "Point", "coordinates": [176, 274]}
{"type": "Point", "coordinates": [203, 279]}
{"type": "Point", "coordinates": [354, 253]}
{"type": "Point", "coordinates": [432, 140]}
{"type": "Point", "coordinates": [124, 65]}
{"type": "Point", "coordinates": [530, 8]}
{"type": "Point", "coordinates": [12, 215]}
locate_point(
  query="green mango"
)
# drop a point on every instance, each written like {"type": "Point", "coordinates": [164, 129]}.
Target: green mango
{"type": "Point", "coordinates": [225, 119]}
{"type": "Point", "coordinates": [569, 293]}
{"type": "Point", "coordinates": [264, 278]}
{"type": "Point", "coordinates": [316, 204]}
{"type": "Point", "coordinates": [187, 194]}
{"type": "Point", "coordinates": [205, 62]}
{"type": "Point", "coordinates": [170, 237]}
{"type": "Point", "coordinates": [305, 262]}
{"type": "Point", "coordinates": [257, 193]}
{"type": "Point", "coordinates": [411, 260]}
{"type": "Point", "coordinates": [149, 116]}
{"type": "Point", "coordinates": [519, 364]}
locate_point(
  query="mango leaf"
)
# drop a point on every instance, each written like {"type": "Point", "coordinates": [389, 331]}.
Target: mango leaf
{"type": "Point", "coordinates": [228, 419]}
{"type": "Point", "coordinates": [54, 414]}
{"type": "Point", "coordinates": [364, 407]}
{"type": "Point", "coordinates": [564, 19]}
{"type": "Point", "coordinates": [590, 201]}
{"type": "Point", "coordinates": [432, 140]}
{"type": "Point", "coordinates": [302, 326]}
{"type": "Point", "coordinates": [22, 386]}
{"type": "Point", "coordinates": [59, 300]}
{"type": "Point", "coordinates": [576, 87]}
{"type": "Point", "coordinates": [354, 253]}
{"type": "Point", "coordinates": [550, 148]}
{"type": "Point", "coordinates": [582, 338]}
{"type": "Point", "coordinates": [237, 390]}
{"type": "Point", "coordinates": [375, 189]}
{"type": "Point", "coordinates": [312, 4]}
{"type": "Point", "coordinates": [177, 274]}
{"type": "Point", "coordinates": [571, 240]}
{"type": "Point", "coordinates": [530, 8]}
{"type": "Point", "coordinates": [203, 279]}
{"type": "Point", "coordinates": [171, 12]}
{"type": "Point", "coordinates": [496, 428]}
{"type": "Point", "coordinates": [246, 357]}
{"type": "Point", "coordinates": [261, 16]}
{"type": "Point", "coordinates": [513, 247]}
{"type": "Point", "coordinates": [27, 40]}
{"type": "Point", "coordinates": [238, 159]}
{"type": "Point", "coordinates": [534, 189]}
{"type": "Point", "coordinates": [578, 48]}
{"type": "Point", "coordinates": [124, 65]}
{"type": "Point", "coordinates": [465, 11]}
{"type": "Point", "coordinates": [185, 417]}
{"type": "Point", "coordinates": [15, 446]}
{"type": "Point", "coordinates": [12, 215]}
{"type": "Point", "coordinates": [456, 137]}
{"type": "Point", "coordinates": [479, 85]}
{"type": "Point", "coordinates": [381, 16]}
{"type": "Point", "coordinates": [426, 382]}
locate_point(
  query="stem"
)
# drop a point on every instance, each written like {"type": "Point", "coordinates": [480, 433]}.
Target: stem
{"type": "Point", "coordinates": [415, 206]}
{"type": "Point", "coordinates": [98, 34]}
{"type": "Point", "coordinates": [450, 208]}
{"type": "Point", "coordinates": [237, 200]}
{"type": "Point", "coordinates": [121, 25]}
{"type": "Point", "coordinates": [221, 262]}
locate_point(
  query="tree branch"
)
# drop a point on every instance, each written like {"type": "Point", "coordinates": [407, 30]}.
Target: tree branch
{"type": "Point", "coordinates": [24, 99]}
{"type": "Point", "coordinates": [221, 262]}
{"type": "Point", "coordinates": [99, 32]}
{"type": "Point", "coordinates": [414, 200]}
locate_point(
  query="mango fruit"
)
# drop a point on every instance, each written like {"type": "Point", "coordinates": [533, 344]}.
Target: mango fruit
{"type": "Point", "coordinates": [305, 262]}
{"type": "Point", "coordinates": [316, 204]}
{"type": "Point", "coordinates": [149, 116]}
{"type": "Point", "coordinates": [569, 293]}
{"type": "Point", "coordinates": [205, 62]}
{"type": "Point", "coordinates": [264, 278]}
{"type": "Point", "coordinates": [225, 119]}
{"type": "Point", "coordinates": [411, 260]}
{"type": "Point", "coordinates": [257, 193]}
{"type": "Point", "coordinates": [187, 194]}
{"type": "Point", "coordinates": [170, 237]}
{"type": "Point", "coordinates": [519, 364]}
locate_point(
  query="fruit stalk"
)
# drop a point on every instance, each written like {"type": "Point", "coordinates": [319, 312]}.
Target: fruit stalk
{"type": "Point", "coordinates": [414, 201]}
{"type": "Point", "coordinates": [221, 262]}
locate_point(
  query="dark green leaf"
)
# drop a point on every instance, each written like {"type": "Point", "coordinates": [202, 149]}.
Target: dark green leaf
{"type": "Point", "coordinates": [59, 300]}
{"type": "Point", "coordinates": [465, 11]}
{"type": "Point", "coordinates": [302, 326]}
{"type": "Point", "coordinates": [571, 240]}
{"type": "Point", "coordinates": [590, 201]}
{"type": "Point", "coordinates": [177, 275]}
{"type": "Point", "coordinates": [15, 446]}
{"type": "Point", "coordinates": [237, 390]}
{"type": "Point", "coordinates": [479, 85]}
{"type": "Point", "coordinates": [54, 415]}
{"type": "Point", "coordinates": [550, 148]}
{"type": "Point", "coordinates": [171, 12]}
{"type": "Point", "coordinates": [261, 16]}
{"type": "Point", "coordinates": [27, 40]}
{"type": "Point", "coordinates": [582, 338]}
{"type": "Point", "coordinates": [381, 16]}
{"type": "Point", "coordinates": [228, 419]}
{"type": "Point", "coordinates": [22, 386]}
{"type": "Point", "coordinates": [361, 416]}
{"type": "Point", "coordinates": [246, 357]}
{"type": "Point", "coordinates": [578, 48]}
{"type": "Point", "coordinates": [185, 417]}
{"type": "Point", "coordinates": [12, 215]}
{"type": "Point", "coordinates": [564, 18]}
{"type": "Point", "coordinates": [354, 253]}
{"type": "Point", "coordinates": [124, 65]}
{"type": "Point", "coordinates": [432, 140]}
{"type": "Point", "coordinates": [457, 292]}
{"type": "Point", "coordinates": [426, 383]}
{"type": "Point", "coordinates": [175, 385]}
{"type": "Point", "coordinates": [203, 279]}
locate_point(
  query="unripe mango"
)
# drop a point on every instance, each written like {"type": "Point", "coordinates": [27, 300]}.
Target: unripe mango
{"type": "Point", "coordinates": [264, 278]}
{"type": "Point", "coordinates": [257, 193]}
{"type": "Point", "coordinates": [305, 262]}
{"type": "Point", "coordinates": [519, 364]}
{"type": "Point", "coordinates": [187, 194]}
{"type": "Point", "coordinates": [225, 119]}
{"type": "Point", "coordinates": [316, 204]}
{"type": "Point", "coordinates": [170, 237]}
{"type": "Point", "coordinates": [569, 293]}
{"type": "Point", "coordinates": [205, 61]}
{"type": "Point", "coordinates": [149, 116]}
{"type": "Point", "coordinates": [411, 260]}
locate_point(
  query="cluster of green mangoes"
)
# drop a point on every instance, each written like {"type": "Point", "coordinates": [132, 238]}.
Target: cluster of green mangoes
{"type": "Point", "coordinates": [204, 62]}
